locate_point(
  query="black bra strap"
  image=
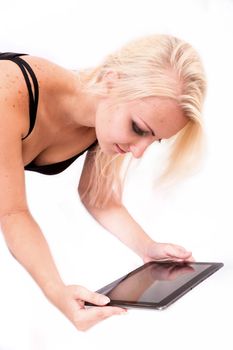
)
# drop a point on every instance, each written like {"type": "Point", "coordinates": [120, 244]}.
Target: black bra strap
{"type": "Point", "coordinates": [33, 99]}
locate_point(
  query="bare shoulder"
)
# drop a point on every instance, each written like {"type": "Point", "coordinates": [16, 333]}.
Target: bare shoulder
{"type": "Point", "coordinates": [47, 72]}
{"type": "Point", "coordinates": [13, 99]}
{"type": "Point", "coordinates": [14, 92]}
{"type": "Point", "coordinates": [12, 127]}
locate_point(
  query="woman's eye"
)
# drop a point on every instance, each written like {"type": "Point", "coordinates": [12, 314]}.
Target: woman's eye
{"type": "Point", "coordinates": [138, 131]}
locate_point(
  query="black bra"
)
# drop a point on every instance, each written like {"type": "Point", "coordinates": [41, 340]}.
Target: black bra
{"type": "Point", "coordinates": [49, 169]}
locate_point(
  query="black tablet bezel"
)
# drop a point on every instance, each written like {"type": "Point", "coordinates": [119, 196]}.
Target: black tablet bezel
{"type": "Point", "coordinates": [171, 298]}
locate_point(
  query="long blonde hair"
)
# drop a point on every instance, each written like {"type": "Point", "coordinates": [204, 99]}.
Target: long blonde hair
{"type": "Point", "coordinates": [156, 65]}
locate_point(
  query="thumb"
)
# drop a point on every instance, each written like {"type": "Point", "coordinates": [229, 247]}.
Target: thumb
{"type": "Point", "coordinates": [92, 297]}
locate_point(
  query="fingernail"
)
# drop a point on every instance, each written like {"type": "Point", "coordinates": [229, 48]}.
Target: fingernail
{"type": "Point", "coordinates": [105, 299]}
{"type": "Point", "coordinates": [124, 312]}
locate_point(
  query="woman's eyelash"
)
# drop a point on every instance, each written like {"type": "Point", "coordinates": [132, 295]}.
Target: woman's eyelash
{"type": "Point", "coordinates": [138, 131]}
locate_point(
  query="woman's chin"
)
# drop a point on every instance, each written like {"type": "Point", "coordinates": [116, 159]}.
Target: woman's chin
{"type": "Point", "coordinates": [108, 151]}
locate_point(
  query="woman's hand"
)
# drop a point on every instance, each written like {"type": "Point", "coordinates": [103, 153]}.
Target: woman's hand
{"type": "Point", "coordinates": [166, 251]}
{"type": "Point", "coordinates": [70, 301]}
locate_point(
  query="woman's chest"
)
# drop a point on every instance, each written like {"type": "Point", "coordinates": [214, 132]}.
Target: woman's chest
{"type": "Point", "coordinates": [48, 145]}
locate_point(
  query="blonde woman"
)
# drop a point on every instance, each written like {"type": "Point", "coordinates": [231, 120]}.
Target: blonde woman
{"type": "Point", "coordinates": [151, 89]}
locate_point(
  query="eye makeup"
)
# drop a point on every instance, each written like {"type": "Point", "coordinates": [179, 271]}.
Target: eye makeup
{"type": "Point", "coordinates": [141, 132]}
{"type": "Point", "coordinates": [138, 130]}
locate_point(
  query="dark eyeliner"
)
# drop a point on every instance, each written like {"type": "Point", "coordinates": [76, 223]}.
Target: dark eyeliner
{"type": "Point", "coordinates": [137, 130]}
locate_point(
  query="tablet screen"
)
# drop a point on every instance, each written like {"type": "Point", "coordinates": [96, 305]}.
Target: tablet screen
{"type": "Point", "coordinates": [157, 284]}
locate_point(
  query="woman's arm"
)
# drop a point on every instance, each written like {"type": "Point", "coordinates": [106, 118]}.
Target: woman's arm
{"type": "Point", "coordinates": [24, 238]}
{"type": "Point", "coordinates": [22, 234]}
{"type": "Point", "coordinates": [28, 245]}
{"type": "Point", "coordinates": [116, 219]}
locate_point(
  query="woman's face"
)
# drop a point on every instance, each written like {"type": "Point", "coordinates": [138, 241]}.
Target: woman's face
{"type": "Point", "coordinates": [133, 126]}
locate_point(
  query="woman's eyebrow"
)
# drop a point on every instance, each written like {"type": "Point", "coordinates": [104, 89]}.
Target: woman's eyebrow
{"type": "Point", "coordinates": [149, 128]}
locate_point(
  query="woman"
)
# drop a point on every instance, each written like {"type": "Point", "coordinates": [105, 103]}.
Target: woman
{"type": "Point", "coordinates": [151, 89]}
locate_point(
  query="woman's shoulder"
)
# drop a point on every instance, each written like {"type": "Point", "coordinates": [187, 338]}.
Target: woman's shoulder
{"type": "Point", "coordinates": [13, 99]}
{"type": "Point", "coordinates": [53, 80]}
{"type": "Point", "coordinates": [46, 71]}
{"type": "Point", "coordinates": [14, 90]}
{"type": "Point", "coordinates": [42, 64]}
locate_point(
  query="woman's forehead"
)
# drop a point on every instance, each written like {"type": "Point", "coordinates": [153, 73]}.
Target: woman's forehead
{"type": "Point", "coordinates": [156, 107]}
{"type": "Point", "coordinates": [158, 103]}
{"type": "Point", "coordinates": [163, 115]}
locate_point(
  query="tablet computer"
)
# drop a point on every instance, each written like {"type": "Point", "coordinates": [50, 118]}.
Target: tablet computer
{"type": "Point", "coordinates": [157, 284]}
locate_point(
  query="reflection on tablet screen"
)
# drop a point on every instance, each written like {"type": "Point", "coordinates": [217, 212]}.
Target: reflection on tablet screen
{"type": "Point", "coordinates": [155, 282]}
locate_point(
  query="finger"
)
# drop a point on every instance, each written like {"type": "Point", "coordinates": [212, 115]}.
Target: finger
{"type": "Point", "coordinates": [190, 259]}
{"type": "Point", "coordinates": [186, 257]}
{"type": "Point", "coordinates": [92, 297]}
{"type": "Point", "coordinates": [92, 316]}
{"type": "Point", "coordinates": [184, 260]}
{"type": "Point", "coordinates": [178, 252]}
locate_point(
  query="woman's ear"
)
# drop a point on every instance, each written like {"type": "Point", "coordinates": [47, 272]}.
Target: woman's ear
{"type": "Point", "coordinates": [109, 78]}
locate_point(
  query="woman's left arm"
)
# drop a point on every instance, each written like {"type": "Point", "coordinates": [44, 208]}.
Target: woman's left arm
{"type": "Point", "coordinates": [116, 219]}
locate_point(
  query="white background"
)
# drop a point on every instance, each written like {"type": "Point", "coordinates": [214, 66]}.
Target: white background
{"type": "Point", "coordinates": [196, 214]}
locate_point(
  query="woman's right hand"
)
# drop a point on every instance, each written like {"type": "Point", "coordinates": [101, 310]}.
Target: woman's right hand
{"type": "Point", "coordinates": [70, 300]}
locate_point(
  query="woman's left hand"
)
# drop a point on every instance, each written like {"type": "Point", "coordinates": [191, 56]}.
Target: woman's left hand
{"type": "Point", "coordinates": [167, 251]}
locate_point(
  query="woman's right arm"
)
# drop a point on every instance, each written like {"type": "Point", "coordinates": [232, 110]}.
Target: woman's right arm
{"type": "Point", "coordinates": [24, 237]}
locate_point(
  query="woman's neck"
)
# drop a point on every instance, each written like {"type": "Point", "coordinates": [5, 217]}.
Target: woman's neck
{"type": "Point", "coordinates": [80, 107]}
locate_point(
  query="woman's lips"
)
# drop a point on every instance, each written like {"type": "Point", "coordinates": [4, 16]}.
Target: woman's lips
{"type": "Point", "coordinates": [119, 150]}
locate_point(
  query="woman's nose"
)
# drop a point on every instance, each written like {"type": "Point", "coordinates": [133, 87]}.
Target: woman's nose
{"type": "Point", "coordinates": [139, 148]}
